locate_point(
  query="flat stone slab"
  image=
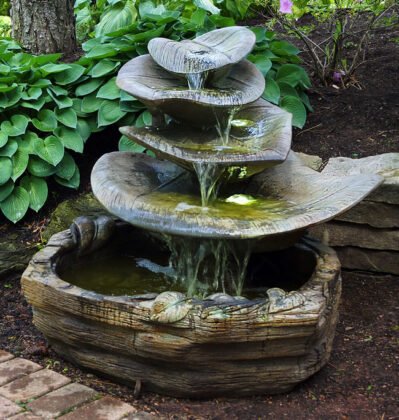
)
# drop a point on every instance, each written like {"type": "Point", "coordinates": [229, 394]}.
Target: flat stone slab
{"type": "Point", "coordinates": [379, 215]}
{"type": "Point", "coordinates": [33, 385]}
{"type": "Point", "coordinates": [4, 356]}
{"type": "Point", "coordinates": [63, 399]}
{"type": "Point", "coordinates": [369, 260]}
{"type": "Point", "coordinates": [15, 368]}
{"type": "Point", "coordinates": [351, 234]}
{"type": "Point", "coordinates": [106, 408]}
{"type": "Point", "coordinates": [386, 165]}
{"type": "Point", "coordinates": [8, 408]}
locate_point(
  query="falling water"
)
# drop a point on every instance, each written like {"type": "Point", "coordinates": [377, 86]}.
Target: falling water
{"type": "Point", "coordinates": [206, 266]}
{"type": "Point", "coordinates": [210, 178]}
{"type": "Point", "coordinates": [196, 80]}
{"type": "Point", "coordinates": [223, 124]}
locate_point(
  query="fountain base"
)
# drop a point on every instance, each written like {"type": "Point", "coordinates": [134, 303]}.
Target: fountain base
{"type": "Point", "coordinates": [180, 346]}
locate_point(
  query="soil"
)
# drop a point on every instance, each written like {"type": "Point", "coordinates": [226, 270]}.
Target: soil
{"type": "Point", "coordinates": [361, 381]}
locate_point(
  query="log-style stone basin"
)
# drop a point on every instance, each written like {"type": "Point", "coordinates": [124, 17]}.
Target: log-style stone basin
{"type": "Point", "coordinates": [180, 346]}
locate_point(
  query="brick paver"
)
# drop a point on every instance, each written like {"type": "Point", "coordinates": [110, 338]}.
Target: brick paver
{"type": "Point", "coordinates": [63, 399]}
{"type": "Point", "coordinates": [8, 408]}
{"type": "Point", "coordinates": [5, 356]}
{"type": "Point", "coordinates": [15, 368]}
{"type": "Point", "coordinates": [107, 408]}
{"type": "Point", "coordinates": [29, 392]}
{"type": "Point", "coordinates": [33, 385]}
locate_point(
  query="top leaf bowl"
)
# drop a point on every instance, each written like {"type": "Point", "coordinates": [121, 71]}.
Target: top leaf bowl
{"type": "Point", "coordinates": [212, 51]}
{"type": "Point", "coordinates": [167, 93]}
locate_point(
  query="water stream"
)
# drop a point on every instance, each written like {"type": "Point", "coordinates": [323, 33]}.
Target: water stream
{"type": "Point", "coordinates": [196, 81]}
{"type": "Point", "coordinates": [203, 266]}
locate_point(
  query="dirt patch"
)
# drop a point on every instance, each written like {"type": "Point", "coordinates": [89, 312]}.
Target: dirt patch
{"type": "Point", "coordinates": [357, 122]}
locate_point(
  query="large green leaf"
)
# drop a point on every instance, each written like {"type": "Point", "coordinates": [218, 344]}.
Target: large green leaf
{"type": "Point", "coordinates": [293, 75]}
{"type": "Point", "coordinates": [71, 139]}
{"type": "Point", "coordinates": [67, 117]}
{"type": "Point", "coordinates": [6, 189]}
{"type": "Point", "coordinates": [39, 167]}
{"type": "Point", "coordinates": [119, 16]}
{"type": "Point", "coordinates": [9, 149]}
{"type": "Point", "coordinates": [109, 113]}
{"type": "Point", "coordinates": [3, 139]}
{"type": "Point", "coordinates": [262, 63]}
{"type": "Point", "coordinates": [20, 161]}
{"type": "Point", "coordinates": [88, 87]}
{"type": "Point", "coordinates": [16, 126]}
{"type": "Point", "coordinates": [36, 105]}
{"type": "Point", "coordinates": [283, 48]}
{"type": "Point", "coordinates": [272, 91]}
{"type": "Point", "coordinates": [207, 5]}
{"type": "Point", "coordinates": [91, 103]}
{"type": "Point", "coordinates": [110, 90]}
{"type": "Point", "coordinates": [37, 190]}
{"type": "Point", "coordinates": [104, 67]}
{"type": "Point", "coordinates": [15, 206]}
{"type": "Point", "coordinates": [84, 129]}
{"type": "Point", "coordinates": [127, 145]}
{"type": "Point", "coordinates": [102, 51]}
{"type": "Point", "coordinates": [66, 168]}
{"type": "Point", "coordinates": [31, 94]}
{"type": "Point", "coordinates": [50, 149]}
{"type": "Point", "coordinates": [72, 182]}
{"type": "Point", "coordinates": [27, 141]}
{"type": "Point", "coordinates": [296, 108]}
{"type": "Point", "coordinates": [5, 169]}
{"type": "Point", "coordinates": [61, 101]}
{"type": "Point", "coordinates": [53, 68]}
{"type": "Point", "coordinates": [71, 75]}
{"type": "Point", "coordinates": [45, 121]}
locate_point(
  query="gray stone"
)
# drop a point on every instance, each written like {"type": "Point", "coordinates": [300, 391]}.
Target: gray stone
{"type": "Point", "coordinates": [68, 210]}
{"type": "Point", "coordinates": [33, 385]}
{"type": "Point", "coordinates": [369, 260]}
{"type": "Point", "coordinates": [63, 399]}
{"type": "Point", "coordinates": [386, 165]}
{"type": "Point", "coordinates": [15, 368]}
{"type": "Point", "coordinates": [379, 215]}
{"type": "Point", "coordinates": [351, 234]}
{"type": "Point", "coordinates": [311, 161]}
{"type": "Point", "coordinates": [4, 356]}
{"type": "Point", "coordinates": [106, 408]}
{"type": "Point", "coordinates": [15, 253]}
{"type": "Point", "coordinates": [8, 408]}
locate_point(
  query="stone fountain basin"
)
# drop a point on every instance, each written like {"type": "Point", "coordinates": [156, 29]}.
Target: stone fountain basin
{"type": "Point", "coordinates": [263, 143]}
{"type": "Point", "coordinates": [162, 91]}
{"type": "Point", "coordinates": [161, 196]}
{"type": "Point", "coordinates": [174, 345]}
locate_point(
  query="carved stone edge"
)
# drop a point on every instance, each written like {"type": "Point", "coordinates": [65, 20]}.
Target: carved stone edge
{"type": "Point", "coordinates": [279, 305]}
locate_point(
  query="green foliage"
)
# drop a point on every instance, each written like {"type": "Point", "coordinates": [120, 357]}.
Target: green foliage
{"type": "Point", "coordinates": [49, 109]}
{"type": "Point", "coordinates": [5, 25]}
{"type": "Point", "coordinates": [4, 7]}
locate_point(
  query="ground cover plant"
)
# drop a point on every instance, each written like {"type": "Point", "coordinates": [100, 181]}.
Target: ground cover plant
{"type": "Point", "coordinates": [50, 108]}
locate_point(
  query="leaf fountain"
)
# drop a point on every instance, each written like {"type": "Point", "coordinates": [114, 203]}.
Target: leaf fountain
{"type": "Point", "coordinates": [206, 285]}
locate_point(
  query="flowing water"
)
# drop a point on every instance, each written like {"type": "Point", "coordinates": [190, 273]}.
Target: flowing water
{"type": "Point", "coordinates": [209, 178]}
{"type": "Point", "coordinates": [196, 81]}
{"type": "Point", "coordinates": [204, 266]}
{"type": "Point", "coordinates": [223, 124]}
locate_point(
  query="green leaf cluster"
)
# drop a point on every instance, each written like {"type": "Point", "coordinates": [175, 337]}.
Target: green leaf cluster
{"type": "Point", "coordinates": [49, 109]}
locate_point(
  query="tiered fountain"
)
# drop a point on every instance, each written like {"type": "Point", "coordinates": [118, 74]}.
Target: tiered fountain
{"type": "Point", "coordinates": [207, 286]}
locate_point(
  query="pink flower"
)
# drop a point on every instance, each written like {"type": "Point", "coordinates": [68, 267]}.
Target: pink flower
{"type": "Point", "coordinates": [285, 6]}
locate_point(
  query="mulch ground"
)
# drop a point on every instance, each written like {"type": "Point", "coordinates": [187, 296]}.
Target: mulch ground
{"type": "Point", "coordinates": [361, 381]}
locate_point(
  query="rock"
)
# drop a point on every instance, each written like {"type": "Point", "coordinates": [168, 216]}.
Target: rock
{"type": "Point", "coordinates": [369, 260]}
{"type": "Point", "coordinates": [379, 215]}
{"type": "Point", "coordinates": [68, 210]}
{"type": "Point", "coordinates": [386, 165]}
{"type": "Point", "coordinates": [349, 234]}
{"type": "Point", "coordinates": [15, 253]}
{"type": "Point", "coordinates": [311, 161]}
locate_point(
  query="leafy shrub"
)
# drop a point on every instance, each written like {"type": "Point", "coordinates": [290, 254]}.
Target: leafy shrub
{"type": "Point", "coordinates": [5, 26]}
{"type": "Point", "coordinates": [49, 109]}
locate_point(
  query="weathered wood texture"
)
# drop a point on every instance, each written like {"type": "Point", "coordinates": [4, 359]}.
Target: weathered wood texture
{"type": "Point", "coordinates": [203, 348]}
{"type": "Point", "coordinates": [44, 26]}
